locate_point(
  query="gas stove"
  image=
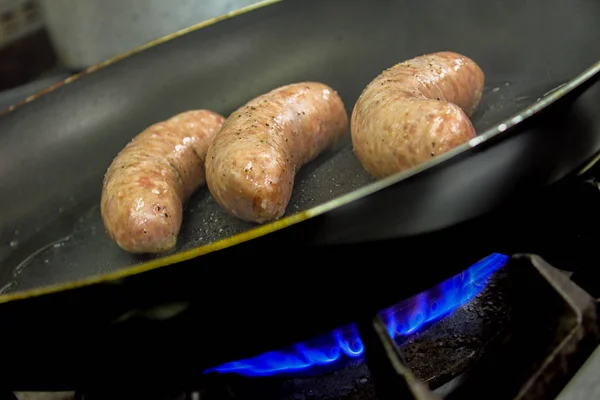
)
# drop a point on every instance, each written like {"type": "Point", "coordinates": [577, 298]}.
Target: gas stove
{"type": "Point", "coordinates": [519, 326]}
{"type": "Point", "coordinates": [523, 326]}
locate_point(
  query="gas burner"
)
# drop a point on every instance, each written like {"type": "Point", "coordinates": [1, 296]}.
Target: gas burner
{"type": "Point", "coordinates": [402, 321]}
{"type": "Point", "coordinates": [525, 334]}
{"type": "Point", "coordinates": [436, 351]}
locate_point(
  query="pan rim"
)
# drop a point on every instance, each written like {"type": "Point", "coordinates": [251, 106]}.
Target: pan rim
{"type": "Point", "coordinates": [505, 128]}
{"type": "Point", "coordinates": [138, 49]}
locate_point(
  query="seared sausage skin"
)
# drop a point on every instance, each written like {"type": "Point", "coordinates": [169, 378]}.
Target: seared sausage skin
{"type": "Point", "coordinates": [252, 161]}
{"type": "Point", "coordinates": [148, 182]}
{"type": "Point", "coordinates": [415, 110]}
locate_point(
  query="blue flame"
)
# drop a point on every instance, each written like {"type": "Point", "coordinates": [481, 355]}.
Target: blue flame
{"type": "Point", "coordinates": [409, 315]}
{"type": "Point", "coordinates": [404, 318]}
{"type": "Point", "coordinates": [323, 350]}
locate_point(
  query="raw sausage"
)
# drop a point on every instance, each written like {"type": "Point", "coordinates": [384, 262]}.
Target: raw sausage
{"type": "Point", "coordinates": [415, 110]}
{"type": "Point", "coordinates": [251, 163]}
{"type": "Point", "coordinates": [148, 182]}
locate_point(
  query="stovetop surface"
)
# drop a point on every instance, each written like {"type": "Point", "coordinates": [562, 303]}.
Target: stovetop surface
{"type": "Point", "coordinates": [531, 332]}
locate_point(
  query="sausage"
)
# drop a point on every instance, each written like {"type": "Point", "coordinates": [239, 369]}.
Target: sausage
{"type": "Point", "coordinates": [251, 163]}
{"type": "Point", "coordinates": [148, 182]}
{"type": "Point", "coordinates": [414, 111]}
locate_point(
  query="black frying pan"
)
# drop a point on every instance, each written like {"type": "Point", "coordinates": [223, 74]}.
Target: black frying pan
{"type": "Point", "coordinates": [55, 149]}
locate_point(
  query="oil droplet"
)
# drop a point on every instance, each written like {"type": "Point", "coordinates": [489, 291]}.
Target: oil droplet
{"type": "Point", "coordinates": [13, 244]}
{"type": "Point", "coordinates": [23, 264]}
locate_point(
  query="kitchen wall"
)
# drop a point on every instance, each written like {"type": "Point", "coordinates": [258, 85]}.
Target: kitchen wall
{"type": "Point", "coordinates": [86, 32]}
{"type": "Point", "coordinates": [26, 52]}
{"type": "Point", "coordinates": [45, 41]}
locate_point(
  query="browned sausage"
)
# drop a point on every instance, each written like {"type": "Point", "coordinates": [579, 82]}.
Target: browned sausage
{"type": "Point", "coordinates": [414, 111]}
{"type": "Point", "coordinates": [251, 164]}
{"type": "Point", "coordinates": [148, 182]}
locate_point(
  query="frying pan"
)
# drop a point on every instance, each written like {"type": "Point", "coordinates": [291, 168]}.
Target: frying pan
{"type": "Point", "coordinates": [73, 300]}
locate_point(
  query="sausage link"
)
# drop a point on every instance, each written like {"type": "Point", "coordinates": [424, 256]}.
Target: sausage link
{"type": "Point", "coordinates": [148, 182]}
{"type": "Point", "coordinates": [251, 164]}
{"type": "Point", "coordinates": [414, 111]}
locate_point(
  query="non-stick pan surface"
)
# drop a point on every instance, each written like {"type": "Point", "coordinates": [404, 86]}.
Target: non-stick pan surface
{"type": "Point", "coordinates": [141, 328]}
{"type": "Point", "coordinates": [55, 150]}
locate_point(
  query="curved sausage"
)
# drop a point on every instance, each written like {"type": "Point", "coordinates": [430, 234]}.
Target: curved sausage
{"type": "Point", "coordinates": [415, 110]}
{"type": "Point", "coordinates": [251, 164]}
{"type": "Point", "coordinates": [148, 182]}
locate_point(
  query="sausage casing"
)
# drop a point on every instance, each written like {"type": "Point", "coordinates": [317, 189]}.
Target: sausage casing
{"type": "Point", "coordinates": [148, 182]}
{"type": "Point", "coordinates": [415, 110]}
{"type": "Point", "coordinates": [251, 163]}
